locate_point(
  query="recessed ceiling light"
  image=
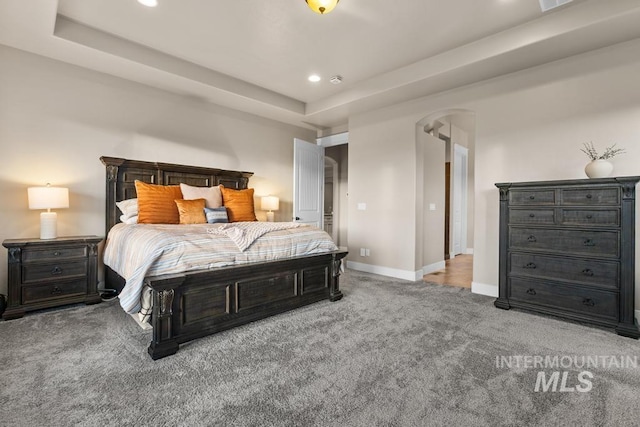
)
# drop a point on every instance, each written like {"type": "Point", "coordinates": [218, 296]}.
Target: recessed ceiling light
{"type": "Point", "coordinates": [149, 3]}
{"type": "Point", "coordinates": [314, 78]}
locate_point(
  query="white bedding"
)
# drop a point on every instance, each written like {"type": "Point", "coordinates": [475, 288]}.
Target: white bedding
{"type": "Point", "coordinates": [136, 251]}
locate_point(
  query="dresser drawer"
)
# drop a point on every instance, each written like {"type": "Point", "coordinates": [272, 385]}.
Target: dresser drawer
{"type": "Point", "coordinates": [29, 255]}
{"type": "Point", "coordinates": [577, 242]}
{"type": "Point", "coordinates": [609, 217]}
{"type": "Point", "coordinates": [591, 197]}
{"type": "Point", "coordinates": [532, 197]}
{"type": "Point", "coordinates": [48, 271]}
{"type": "Point", "coordinates": [531, 216]}
{"type": "Point", "coordinates": [579, 300]}
{"type": "Point", "coordinates": [45, 292]}
{"type": "Point", "coordinates": [603, 274]}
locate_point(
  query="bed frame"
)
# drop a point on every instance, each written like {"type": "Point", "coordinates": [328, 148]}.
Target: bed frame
{"type": "Point", "coordinates": [200, 303]}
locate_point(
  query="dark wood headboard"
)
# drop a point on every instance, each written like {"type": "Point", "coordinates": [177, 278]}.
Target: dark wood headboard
{"type": "Point", "coordinates": [122, 174]}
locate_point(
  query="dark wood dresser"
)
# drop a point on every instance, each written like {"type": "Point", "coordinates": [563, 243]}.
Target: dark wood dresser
{"type": "Point", "coordinates": [567, 248]}
{"type": "Point", "coordinates": [49, 273]}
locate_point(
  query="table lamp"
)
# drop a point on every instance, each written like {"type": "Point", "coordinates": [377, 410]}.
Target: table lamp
{"type": "Point", "coordinates": [270, 204]}
{"type": "Point", "coordinates": [48, 198]}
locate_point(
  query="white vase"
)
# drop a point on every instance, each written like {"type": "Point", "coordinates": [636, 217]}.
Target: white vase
{"type": "Point", "coordinates": [598, 169]}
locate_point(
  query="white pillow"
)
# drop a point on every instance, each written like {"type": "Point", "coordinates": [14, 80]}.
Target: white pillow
{"type": "Point", "coordinates": [129, 208]}
{"type": "Point", "coordinates": [212, 195]}
{"type": "Point", "coordinates": [130, 220]}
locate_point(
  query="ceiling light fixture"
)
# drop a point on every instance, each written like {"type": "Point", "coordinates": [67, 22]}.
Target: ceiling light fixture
{"type": "Point", "coordinates": [314, 78]}
{"type": "Point", "coordinates": [149, 3]}
{"type": "Point", "coordinates": [322, 6]}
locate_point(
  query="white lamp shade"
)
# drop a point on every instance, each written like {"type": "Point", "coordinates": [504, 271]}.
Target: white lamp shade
{"type": "Point", "coordinates": [48, 197]}
{"type": "Point", "coordinates": [270, 203]}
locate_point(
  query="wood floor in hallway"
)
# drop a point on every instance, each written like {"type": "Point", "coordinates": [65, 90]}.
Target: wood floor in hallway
{"type": "Point", "coordinates": [458, 272]}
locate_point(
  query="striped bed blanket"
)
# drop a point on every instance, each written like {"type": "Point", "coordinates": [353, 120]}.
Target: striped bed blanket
{"type": "Point", "coordinates": [136, 251]}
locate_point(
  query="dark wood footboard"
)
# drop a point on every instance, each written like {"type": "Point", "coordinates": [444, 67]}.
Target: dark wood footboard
{"type": "Point", "coordinates": [189, 306]}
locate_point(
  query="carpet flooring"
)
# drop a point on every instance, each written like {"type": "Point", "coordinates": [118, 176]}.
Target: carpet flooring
{"type": "Point", "coordinates": [391, 353]}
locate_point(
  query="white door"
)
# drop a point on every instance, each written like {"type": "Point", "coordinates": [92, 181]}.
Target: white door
{"type": "Point", "coordinates": [308, 182]}
{"type": "Point", "coordinates": [459, 199]}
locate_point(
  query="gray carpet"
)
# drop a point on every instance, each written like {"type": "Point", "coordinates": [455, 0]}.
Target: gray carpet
{"type": "Point", "coordinates": [390, 353]}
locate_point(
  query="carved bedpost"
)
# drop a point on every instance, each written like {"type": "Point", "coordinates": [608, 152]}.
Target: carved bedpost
{"type": "Point", "coordinates": [334, 292]}
{"type": "Point", "coordinates": [93, 297]}
{"type": "Point", "coordinates": [165, 307]}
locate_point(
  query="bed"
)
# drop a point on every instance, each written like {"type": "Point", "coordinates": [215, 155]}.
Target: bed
{"type": "Point", "coordinates": [189, 305]}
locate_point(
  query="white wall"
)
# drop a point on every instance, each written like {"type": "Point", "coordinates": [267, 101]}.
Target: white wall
{"type": "Point", "coordinates": [530, 126]}
{"type": "Point", "coordinates": [56, 120]}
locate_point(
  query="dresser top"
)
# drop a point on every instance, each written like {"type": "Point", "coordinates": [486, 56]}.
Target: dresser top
{"type": "Point", "coordinates": [573, 182]}
{"type": "Point", "coordinates": [9, 243]}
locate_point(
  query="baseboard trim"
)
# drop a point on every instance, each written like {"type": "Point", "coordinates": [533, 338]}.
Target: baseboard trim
{"type": "Point", "coordinates": [431, 268]}
{"type": "Point", "coordinates": [386, 271]}
{"type": "Point", "coordinates": [484, 289]}
{"type": "Point", "coordinates": [637, 315]}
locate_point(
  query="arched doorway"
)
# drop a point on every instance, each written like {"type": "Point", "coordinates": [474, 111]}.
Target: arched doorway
{"type": "Point", "coordinates": [445, 146]}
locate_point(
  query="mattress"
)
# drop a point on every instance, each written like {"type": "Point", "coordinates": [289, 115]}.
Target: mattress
{"type": "Point", "coordinates": [136, 251]}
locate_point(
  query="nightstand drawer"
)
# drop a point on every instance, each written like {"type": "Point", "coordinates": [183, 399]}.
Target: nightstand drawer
{"type": "Point", "coordinates": [579, 300]}
{"type": "Point", "coordinates": [532, 197]}
{"type": "Point", "coordinates": [603, 274]}
{"type": "Point", "coordinates": [591, 196]}
{"type": "Point", "coordinates": [48, 271]}
{"type": "Point", "coordinates": [54, 253]}
{"type": "Point", "coordinates": [609, 217]}
{"type": "Point", "coordinates": [39, 293]}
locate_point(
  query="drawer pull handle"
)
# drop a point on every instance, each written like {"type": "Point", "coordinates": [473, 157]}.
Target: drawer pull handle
{"type": "Point", "coordinates": [589, 196]}
{"type": "Point", "coordinates": [532, 215]}
{"type": "Point", "coordinates": [532, 239]}
{"type": "Point", "coordinates": [589, 242]}
{"type": "Point", "coordinates": [588, 302]}
{"type": "Point", "coordinates": [56, 253]}
{"type": "Point", "coordinates": [532, 197]}
{"type": "Point", "coordinates": [56, 270]}
{"type": "Point", "coordinates": [587, 272]}
{"type": "Point", "coordinates": [589, 216]}
{"type": "Point", "coordinates": [531, 291]}
{"type": "Point", "coordinates": [56, 290]}
{"type": "Point", "coordinates": [530, 265]}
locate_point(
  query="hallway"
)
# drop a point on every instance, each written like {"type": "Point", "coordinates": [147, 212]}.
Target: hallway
{"type": "Point", "coordinates": [458, 272]}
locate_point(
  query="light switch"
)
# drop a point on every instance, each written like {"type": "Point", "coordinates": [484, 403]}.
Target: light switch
{"type": "Point", "coordinates": [432, 206]}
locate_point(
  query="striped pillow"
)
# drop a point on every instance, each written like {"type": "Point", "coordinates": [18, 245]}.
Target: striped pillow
{"type": "Point", "coordinates": [216, 215]}
{"type": "Point", "coordinates": [156, 203]}
{"type": "Point", "coordinates": [239, 204]}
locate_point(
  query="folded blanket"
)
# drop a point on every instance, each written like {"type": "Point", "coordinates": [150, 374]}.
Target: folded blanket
{"type": "Point", "coordinates": [243, 234]}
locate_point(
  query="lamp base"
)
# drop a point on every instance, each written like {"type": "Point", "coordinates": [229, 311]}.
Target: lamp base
{"type": "Point", "coordinates": [48, 225]}
{"type": "Point", "coordinates": [270, 216]}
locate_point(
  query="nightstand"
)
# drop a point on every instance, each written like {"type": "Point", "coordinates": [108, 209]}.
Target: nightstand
{"type": "Point", "coordinates": [50, 273]}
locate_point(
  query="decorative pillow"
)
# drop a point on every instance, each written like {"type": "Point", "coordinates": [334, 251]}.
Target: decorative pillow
{"type": "Point", "coordinates": [211, 195]}
{"type": "Point", "coordinates": [191, 211]}
{"type": "Point", "coordinates": [156, 203]}
{"type": "Point", "coordinates": [128, 207]}
{"type": "Point", "coordinates": [130, 220]}
{"type": "Point", "coordinates": [216, 215]}
{"type": "Point", "coordinates": [239, 204]}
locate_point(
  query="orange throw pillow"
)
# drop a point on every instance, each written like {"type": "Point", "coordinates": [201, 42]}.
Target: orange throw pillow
{"type": "Point", "coordinates": [156, 203]}
{"type": "Point", "coordinates": [191, 211]}
{"type": "Point", "coordinates": [239, 204]}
